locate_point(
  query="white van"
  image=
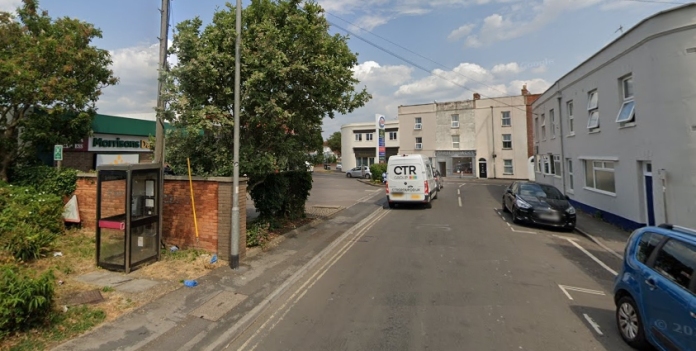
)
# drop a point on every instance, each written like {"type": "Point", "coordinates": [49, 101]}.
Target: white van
{"type": "Point", "coordinates": [410, 179]}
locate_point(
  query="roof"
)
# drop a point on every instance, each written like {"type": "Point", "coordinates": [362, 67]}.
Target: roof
{"type": "Point", "coordinates": [106, 124]}
{"type": "Point", "coordinates": [658, 14]}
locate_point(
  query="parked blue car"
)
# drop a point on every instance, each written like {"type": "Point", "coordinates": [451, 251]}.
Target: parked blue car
{"type": "Point", "coordinates": [655, 291]}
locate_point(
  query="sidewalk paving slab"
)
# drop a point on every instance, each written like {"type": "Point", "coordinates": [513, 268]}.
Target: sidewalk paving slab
{"type": "Point", "coordinates": [186, 319]}
{"type": "Point", "coordinates": [608, 236]}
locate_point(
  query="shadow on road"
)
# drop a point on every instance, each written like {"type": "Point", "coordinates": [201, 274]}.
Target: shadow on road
{"type": "Point", "coordinates": [610, 338]}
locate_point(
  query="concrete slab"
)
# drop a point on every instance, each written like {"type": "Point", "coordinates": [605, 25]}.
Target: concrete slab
{"type": "Point", "coordinates": [137, 285]}
{"type": "Point", "coordinates": [104, 278]}
{"type": "Point", "coordinates": [220, 304]}
{"type": "Point", "coordinates": [91, 297]}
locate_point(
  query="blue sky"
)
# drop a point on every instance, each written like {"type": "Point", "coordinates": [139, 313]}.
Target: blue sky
{"type": "Point", "coordinates": [488, 46]}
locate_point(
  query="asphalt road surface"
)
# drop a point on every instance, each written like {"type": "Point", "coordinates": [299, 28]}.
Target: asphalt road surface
{"type": "Point", "coordinates": [458, 276]}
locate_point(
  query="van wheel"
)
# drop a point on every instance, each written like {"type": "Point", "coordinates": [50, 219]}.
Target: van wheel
{"type": "Point", "coordinates": [429, 205]}
{"type": "Point", "coordinates": [436, 194]}
{"type": "Point", "coordinates": [391, 204]}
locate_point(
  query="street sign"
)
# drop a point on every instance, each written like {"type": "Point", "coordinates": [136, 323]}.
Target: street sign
{"type": "Point", "coordinates": [58, 153]}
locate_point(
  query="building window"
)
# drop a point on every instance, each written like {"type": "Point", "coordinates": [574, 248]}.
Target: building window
{"type": "Point", "coordinates": [571, 120]}
{"type": "Point", "coordinates": [368, 136]}
{"type": "Point", "coordinates": [547, 165]}
{"type": "Point", "coordinates": [536, 129]}
{"type": "Point", "coordinates": [557, 165]}
{"type": "Point", "coordinates": [455, 121]}
{"type": "Point", "coordinates": [506, 118]}
{"type": "Point", "coordinates": [455, 141]}
{"type": "Point", "coordinates": [627, 113]}
{"type": "Point", "coordinates": [392, 135]}
{"type": "Point", "coordinates": [419, 143]}
{"type": "Point", "coordinates": [507, 167]}
{"type": "Point", "coordinates": [569, 171]}
{"type": "Point", "coordinates": [358, 137]}
{"type": "Point", "coordinates": [543, 127]}
{"type": "Point", "coordinates": [552, 117]}
{"type": "Point", "coordinates": [593, 111]}
{"type": "Point", "coordinates": [600, 175]}
{"type": "Point", "coordinates": [507, 141]}
{"type": "Point", "coordinates": [419, 123]}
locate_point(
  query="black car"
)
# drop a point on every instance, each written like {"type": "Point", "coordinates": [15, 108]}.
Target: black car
{"type": "Point", "coordinates": [536, 203]}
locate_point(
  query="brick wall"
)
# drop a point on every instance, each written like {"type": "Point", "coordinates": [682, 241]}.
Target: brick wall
{"type": "Point", "coordinates": [529, 100]}
{"type": "Point", "coordinates": [213, 199]}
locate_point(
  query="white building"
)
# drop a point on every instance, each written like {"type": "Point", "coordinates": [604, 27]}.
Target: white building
{"type": "Point", "coordinates": [621, 126]}
{"type": "Point", "coordinates": [484, 138]}
{"type": "Point", "coordinates": [359, 143]}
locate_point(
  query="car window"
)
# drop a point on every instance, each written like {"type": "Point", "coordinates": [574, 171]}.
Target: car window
{"type": "Point", "coordinates": [541, 190]}
{"type": "Point", "coordinates": [647, 244]}
{"type": "Point", "coordinates": [677, 262]}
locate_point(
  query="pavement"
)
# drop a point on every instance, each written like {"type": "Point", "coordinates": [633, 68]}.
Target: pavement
{"type": "Point", "coordinates": [457, 276]}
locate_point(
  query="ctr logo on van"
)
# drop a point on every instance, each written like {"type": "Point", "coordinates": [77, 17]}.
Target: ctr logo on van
{"type": "Point", "coordinates": [405, 172]}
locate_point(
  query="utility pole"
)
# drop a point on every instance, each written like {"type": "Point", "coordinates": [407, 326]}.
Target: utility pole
{"type": "Point", "coordinates": [159, 129]}
{"type": "Point", "coordinates": [234, 243]}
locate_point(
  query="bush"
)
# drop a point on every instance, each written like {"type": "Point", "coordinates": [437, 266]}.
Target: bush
{"type": "Point", "coordinates": [29, 221]}
{"type": "Point", "coordinates": [281, 196]}
{"type": "Point", "coordinates": [377, 169]}
{"type": "Point", "coordinates": [26, 301]}
{"type": "Point", "coordinates": [47, 179]}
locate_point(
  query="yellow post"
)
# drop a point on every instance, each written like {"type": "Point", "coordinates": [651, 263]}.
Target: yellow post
{"type": "Point", "coordinates": [193, 203]}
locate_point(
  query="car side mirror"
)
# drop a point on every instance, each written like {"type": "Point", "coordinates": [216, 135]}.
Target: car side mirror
{"type": "Point", "coordinates": [509, 191]}
{"type": "Point", "coordinates": [567, 197]}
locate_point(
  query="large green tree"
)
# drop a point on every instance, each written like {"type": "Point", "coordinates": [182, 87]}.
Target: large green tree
{"type": "Point", "coordinates": [293, 74]}
{"type": "Point", "coordinates": [50, 79]}
{"type": "Point", "coordinates": [334, 142]}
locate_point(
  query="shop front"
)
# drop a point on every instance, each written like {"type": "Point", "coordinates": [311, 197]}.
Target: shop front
{"type": "Point", "coordinates": [114, 141]}
{"type": "Point", "coordinates": [455, 163]}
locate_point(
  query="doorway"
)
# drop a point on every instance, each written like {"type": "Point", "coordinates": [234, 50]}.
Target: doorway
{"type": "Point", "coordinates": [483, 169]}
{"type": "Point", "coordinates": [649, 201]}
{"type": "Point", "coordinates": [443, 168]}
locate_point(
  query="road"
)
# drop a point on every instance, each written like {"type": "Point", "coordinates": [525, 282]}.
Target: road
{"type": "Point", "coordinates": [458, 276]}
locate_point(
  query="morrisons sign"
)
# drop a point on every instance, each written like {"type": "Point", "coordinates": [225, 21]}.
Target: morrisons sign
{"type": "Point", "coordinates": [120, 144]}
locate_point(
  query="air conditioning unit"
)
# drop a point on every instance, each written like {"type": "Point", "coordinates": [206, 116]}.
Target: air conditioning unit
{"type": "Point", "coordinates": [418, 126]}
{"type": "Point", "coordinates": [455, 124]}
{"type": "Point", "coordinates": [419, 146]}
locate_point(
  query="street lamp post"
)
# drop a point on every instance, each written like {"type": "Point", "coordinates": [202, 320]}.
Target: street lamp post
{"type": "Point", "coordinates": [234, 243]}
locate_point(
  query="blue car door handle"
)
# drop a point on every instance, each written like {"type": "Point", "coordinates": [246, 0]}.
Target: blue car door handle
{"type": "Point", "coordinates": [651, 283]}
{"type": "Point", "coordinates": [693, 314]}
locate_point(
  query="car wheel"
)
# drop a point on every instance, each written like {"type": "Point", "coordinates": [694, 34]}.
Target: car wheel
{"type": "Point", "coordinates": [367, 176]}
{"type": "Point", "coordinates": [514, 217]}
{"type": "Point", "coordinates": [630, 323]}
{"type": "Point", "coordinates": [348, 175]}
{"type": "Point", "coordinates": [505, 209]}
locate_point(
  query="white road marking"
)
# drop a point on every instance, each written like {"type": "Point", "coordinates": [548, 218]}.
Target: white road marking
{"type": "Point", "coordinates": [521, 231]}
{"type": "Point", "coordinates": [594, 258]}
{"type": "Point", "coordinates": [565, 288]}
{"type": "Point", "coordinates": [604, 246]}
{"type": "Point", "coordinates": [565, 237]}
{"type": "Point", "coordinates": [461, 185]}
{"type": "Point", "coordinates": [458, 192]}
{"type": "Point", "coordinates": [593, 324]}
{"type": "Point", "coordinates": [460, 201]}
{"type": "Point", "coordinates": [312, 280]}
{"type": "Point", "coordinates": [565, 292]}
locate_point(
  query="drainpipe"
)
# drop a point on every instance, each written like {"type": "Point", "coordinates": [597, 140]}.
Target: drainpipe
{"type": "Point", "coordinates": [663, 177]}
{"type": "Point", "coordinates": [493, 139]}
{"type": "Point", "coordinates": [560, 123]}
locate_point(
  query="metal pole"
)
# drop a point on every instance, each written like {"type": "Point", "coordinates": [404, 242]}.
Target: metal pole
{"type": "Point", "coordinates": [493, 140]}
{"type": "Point", "coordinates": [159, 129]}
{"type": "Point", "coordinates": [234, 243]}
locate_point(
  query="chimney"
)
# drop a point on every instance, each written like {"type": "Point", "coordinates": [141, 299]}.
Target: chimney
{"type": "Point", "coordinates": [477, 96]}
{"type": "Point", "coordinates": [524, 90]}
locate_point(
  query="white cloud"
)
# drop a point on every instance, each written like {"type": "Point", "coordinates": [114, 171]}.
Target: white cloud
{"type": "Point", "coordinates": [136, 92]}
{"type": "Point", "coordinates": [9, 5]}
{"type": "Point", "coordinates": [440, 82]}
{"type": "Point", "coordinates": [376, 76]}
{"type": "Point", "coordinates": [507, 68]}
{"type": "Point", "coordinates": [461, 32]}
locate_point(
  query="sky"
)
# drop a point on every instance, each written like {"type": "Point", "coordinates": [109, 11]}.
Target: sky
{"type": "Point", "coordinates": [409, 51]}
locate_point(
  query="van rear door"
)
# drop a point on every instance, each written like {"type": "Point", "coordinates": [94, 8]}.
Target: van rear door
{"type": "Point", "coordinates": [406, 180]}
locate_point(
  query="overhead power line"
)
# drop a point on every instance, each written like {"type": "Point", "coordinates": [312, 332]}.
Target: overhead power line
{"type": "Point", "coordinates": [421, 67]}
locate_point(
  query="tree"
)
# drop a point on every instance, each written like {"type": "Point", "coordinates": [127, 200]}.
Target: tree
{"type": "Point", "coordinates": [293, 74]}
{"type": "Point", "coordinates": [50, 80]}
{"type": "Point", "coordinates": [334, 142]}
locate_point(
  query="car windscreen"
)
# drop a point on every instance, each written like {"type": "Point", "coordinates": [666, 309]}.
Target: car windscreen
{"type": "Point", "coordinates": [539, 190]}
